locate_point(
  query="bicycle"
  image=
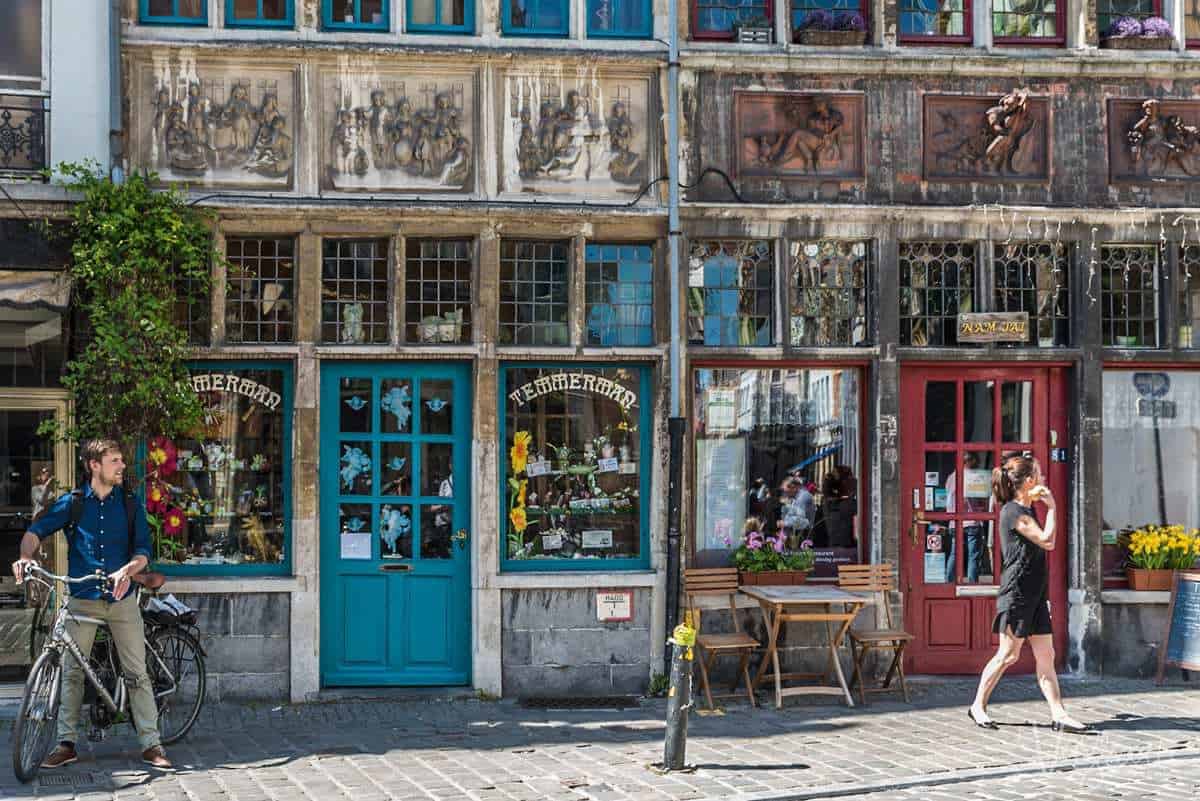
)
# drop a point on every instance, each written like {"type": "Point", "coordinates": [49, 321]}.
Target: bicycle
{"type": "Point", "coordinates": [174, 662]}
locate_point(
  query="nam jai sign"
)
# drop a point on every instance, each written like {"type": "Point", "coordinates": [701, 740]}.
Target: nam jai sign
{"type": "Point", "coordinates": [993, 327]}
{"type": "Point", "coordinates": [582, 382]}
{"type": "Point", "coordinates": [228, 382]}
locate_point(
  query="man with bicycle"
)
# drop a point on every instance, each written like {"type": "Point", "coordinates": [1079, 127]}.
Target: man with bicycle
{"type": "Point", "coordinates": [100, 540]}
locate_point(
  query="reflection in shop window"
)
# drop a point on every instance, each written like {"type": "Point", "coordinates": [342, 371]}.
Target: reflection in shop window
{"type": "Point", "coordinates": [935, 20]}
{"type": "Point", "coordinates": [937, 281]}
{"type": "Point", "coordinates": [1021, 19]}
{"type": "Point", "coordinates": [1129, 295]}
{"type": "Point", "coordinates": [1189, 296]}
{"type": "Point", "coordinates": [576, 476]}
{"type": "Point", "coordinates": [259, 290]}
{"type": "Point", "coordinates": [1032, 277]}
{"type": "Point", "coordinates": [731, 293]}
{"type": "Point", "coordinates": [829, 286]}
{"type": "Point", "coordinates": [219, 498]}
{"type": "Point", "coordinates": [781, 448]}
{"type": "Point", "coordinates": [1151, 453]}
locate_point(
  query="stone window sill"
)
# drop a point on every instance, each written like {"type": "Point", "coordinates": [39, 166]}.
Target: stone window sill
{"type": "Point", "coordinates": [1135, 597]}
{"type": "Point", "coordinates": [233, 584]}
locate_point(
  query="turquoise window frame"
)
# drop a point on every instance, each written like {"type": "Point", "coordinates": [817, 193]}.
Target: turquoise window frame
{"type": "Point", "coordinates": [289, 21]}
{"type": "Point", "coordinates": [284, 568]}
{"type": "Point", "coordinates": [146, 18]}
{"type": "Point", "coordinates": [328, 23]}
{"type": "Point", "coordinates": [468, 25]}
{"type": "Point", "coordinates": [645, 423]}
{"type": "Point", "coordinates": [644, 32]}
{"type": "Point", "coordinates": [508, 29]}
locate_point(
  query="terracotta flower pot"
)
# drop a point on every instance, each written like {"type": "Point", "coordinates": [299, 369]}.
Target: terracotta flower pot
{"type": "Point", "coordinates": [1145, 579]}
{"type": "Point", "coordinates": [773, 577]}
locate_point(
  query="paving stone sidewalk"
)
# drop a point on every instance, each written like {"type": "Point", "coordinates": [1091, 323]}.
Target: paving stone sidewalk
{"type": "Point", "coordinates": [460, 748]}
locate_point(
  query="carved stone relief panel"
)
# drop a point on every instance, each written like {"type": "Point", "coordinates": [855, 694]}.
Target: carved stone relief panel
{"type": "Point", "coordinates": [575, 131]}
{"type": "Point", "coordinates": [987, 138]}
{"type": "Point", "coordinates": [214, 124]}
{"type": "Point", "coordinates": [407, 131]}
{"type": "Point", "coordinates": [805, 136]}
{"type": "Point", "coordinates": [1153, 140]}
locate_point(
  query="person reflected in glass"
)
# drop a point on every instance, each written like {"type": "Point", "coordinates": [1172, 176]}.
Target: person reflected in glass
{"type": "Point", "coordinates": [974, 531]}
{"type": "Point", "coordinates": [1023, 605]}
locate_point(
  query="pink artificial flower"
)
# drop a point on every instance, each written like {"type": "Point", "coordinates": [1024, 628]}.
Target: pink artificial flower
{"type": "Point", "coordinates": [807, 545]}
{"type": "Point", "coordinates": [754, 540]}
{"type": "Point", "coordinates": [778, 542]}
{"type": "Point", "coordinates": [728, 542]}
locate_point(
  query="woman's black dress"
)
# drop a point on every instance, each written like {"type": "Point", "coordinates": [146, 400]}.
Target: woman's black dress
{"type": "Point", "coordinates": [1024, 600]}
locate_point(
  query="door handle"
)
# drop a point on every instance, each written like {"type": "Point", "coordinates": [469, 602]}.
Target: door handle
{"type": "Point", "coordinates": [460, 537]}
{"type": "Point", "coordinates": [395, 568]}
{"type": "Point", "coordinates": [918, 520]}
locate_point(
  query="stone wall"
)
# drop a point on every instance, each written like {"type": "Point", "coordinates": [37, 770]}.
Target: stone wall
{"type": "Point", "coordinates": [245, 638]}
{"type": "Point", "coordinates": [1132, 635]}
{"type": "Point", "coordinates": [553, 645]}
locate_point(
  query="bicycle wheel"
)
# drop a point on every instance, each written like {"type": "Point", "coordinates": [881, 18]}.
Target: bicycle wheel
{"type": "Point", "coordinates": [176, 668]}
{"type": "Point", "coordinates": [33, 731]}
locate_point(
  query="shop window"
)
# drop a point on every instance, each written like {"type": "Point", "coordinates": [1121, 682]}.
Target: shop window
{"type": "Point", "coordinates": [620, 295]}
{"type": "Point", "coordinates": [193, 310]}
{"type": "Point", "coordinates": [534, 303]}
{"type": "Point", "coordinates": [1151, 453]}
{"type": "Point", "coordinates": [1189, 296]}
{"type": "Point", "coordinates": [357, 15]}
{"type": "Point", "coordinates": [173, 12]}
{"type": "Point", "coordinates": [803, 9]}
{"type": "Point", "coordinates": [935, 21]}
{"type": "Point", "coordinates": [441, 16]}
{"type": "Point", "coordinates": [1108, 10]}
{"type": "Point", "coordinates": [717, 19]}
{"type": "Point", "coordinates": [536, 17]}
{"type": "Point", "coordinates": [1032, 277]}
{"type": "Point", "coordinates": [259, 13]}
{"type": "Point", "coordinates": [575, 445]}
{"type": "Point", "coordinates": [731, 293]}
{"type": "Point", "coordinates": [620, 19]}
{"type": "Point", "coordinates": [1018, 22]}
{"type": "Point", "coordinates": [937, 281]}
{"type": "Point", "coordinates": [260, 290]}
{"type": "Point", "coordinates": [437, 291]}
{"type": "Point", "coordinates": [829, 293]}
{"type": "Point", "coordinates": [354, 291]}
{"type": "Point", "coordinates": [1129, 295]}
{"type": "Point", "coordinates": [784, 450]}
{"type": "Point", "coordinates": [220, 502]}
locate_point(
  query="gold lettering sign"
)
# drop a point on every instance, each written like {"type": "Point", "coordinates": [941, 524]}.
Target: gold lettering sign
{"type": "Point", "coordinates": [993, 327]}
{"type": "Point", "coordinates": [256, 392]}
{"type": "Point", "coordinates": [577, 381]}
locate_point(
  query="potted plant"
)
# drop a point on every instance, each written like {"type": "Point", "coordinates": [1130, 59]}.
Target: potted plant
{"type": "Point", "coordinates": [1156, 551]}
{"type": "Point", "coordinates": [764, 559]}
{"type": "Point", "coordinates": [1130, 33]}
{"type": "Point", "coordinates": [754, 30]}
{"type": "Point", "coordinates": [823, 27]}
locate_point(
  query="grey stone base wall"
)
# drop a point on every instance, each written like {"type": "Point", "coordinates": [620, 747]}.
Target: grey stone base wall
{"type": "Point", "coordinates": [553, 645]}
{"type": "Point", "coordinates": [245, 637]}
{"type": "Point", "coordinates": [1132, 637]}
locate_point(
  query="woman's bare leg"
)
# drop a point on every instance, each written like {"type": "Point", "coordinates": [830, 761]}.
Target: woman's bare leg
{"type": "Point", "coordinates": [1006, 655]}
{"type": "Point", "coordinates": [1043, 654]}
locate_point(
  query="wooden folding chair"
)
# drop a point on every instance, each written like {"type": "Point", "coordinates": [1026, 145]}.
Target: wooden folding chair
{"type": "Point", "coordinates": [718, 582]}
{"type": "Point", "coordinates": [878, 580]}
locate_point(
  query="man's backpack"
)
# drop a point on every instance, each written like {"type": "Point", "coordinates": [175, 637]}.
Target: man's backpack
{"type": "Point", "coordinates": [76, 514]}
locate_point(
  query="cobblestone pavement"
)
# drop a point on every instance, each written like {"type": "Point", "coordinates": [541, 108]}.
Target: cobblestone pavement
{"type": "Point", "coordinates": [1148, 746]}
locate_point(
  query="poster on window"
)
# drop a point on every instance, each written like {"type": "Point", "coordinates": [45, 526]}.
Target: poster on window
{"type": "Point", "coordinates": [722, 511]}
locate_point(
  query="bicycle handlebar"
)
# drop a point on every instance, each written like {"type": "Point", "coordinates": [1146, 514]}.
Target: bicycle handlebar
{"type": "Point", "coordinates": [46, 575]}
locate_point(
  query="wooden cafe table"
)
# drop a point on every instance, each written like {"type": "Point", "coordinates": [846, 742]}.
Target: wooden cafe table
{"type": "Point", "coordinates": [804, 602]}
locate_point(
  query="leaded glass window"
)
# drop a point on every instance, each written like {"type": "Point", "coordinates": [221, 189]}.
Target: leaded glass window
{"type": "Point", "coordinates": [1129, 295]}
{"type": "Point", "coordinates": [731, 293]}
{"type": "Point", "coordinates": [829, 292]}
{"type": "Point", "coordinates": [437, 291]}
{"type": "Point", "coordinates": [534, 301]}
{"type": "Point", "coordinates": [1032, 277]}
{"type": "Point", "coordinates": [259, 290]}
{"type": "Point", "coordinates": [1189, 295]}
{"type": "Point", "coordinates": [355, 291]}
{"type": "Point", "coordinates": [937, 281]}
{"type": "Point", "coordinates": [620, 294]}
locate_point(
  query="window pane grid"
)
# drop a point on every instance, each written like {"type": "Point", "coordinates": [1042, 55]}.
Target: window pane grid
{"type": "Point", "coordinates": [193, 310]}
{"type": "Point", "coordinates": [936, 283]}
{"type": "Point", "coordinates": [354, 291]}
{"type": "Point", "coordinates": [534, 281]}
{"type": "Point", "coordinates": [189, 11]}
{"type": "Point", "coordinates": [801, 9]}
{"type": "Point", "coordinates": [1129, 295]}
{"type": "Point", "coordinates": [619, 18]}
{"type": "Point", "coordinates": [731, 296]}
{"type": "Point", "coordinates": [537, 17]}
{"type": "Point", "coordinates": [259, 290]}
{"type": "Point", "coordinates": [935, 19]}
{"type": "Point", "coordinates": [829, 284]}
{"type": "Point", "coordinates": [437, 291]}
{"type": "Point", "coordinates": [1107, 11]}
{"type": "Point", "coordinates": [619, 295]}
{"type": "Point", "coordinates": [259, 12]}
{"type": "Point", "coordinates": [1189, 295]}
{"type": "Point", "coordinates": [720, 16]}
{"type": "Point", "coordinates": [1014, 19]}
{"type": "Point", "coordinates": [1032, 277]}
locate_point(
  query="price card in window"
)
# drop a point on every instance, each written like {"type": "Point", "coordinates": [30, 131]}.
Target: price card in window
{"type": "Point", "coordinates": [598, 539]}
{"type": "Point", "coordinates": [606, 465]}
{"type": "Point", "coordinates": [552, 542]}
{"type": "Point", "coordinates": [538, 468]}
{"type": "Point", "coordinates": [628, 468]}
{"type": "Point", "coordinates": [356, 544]}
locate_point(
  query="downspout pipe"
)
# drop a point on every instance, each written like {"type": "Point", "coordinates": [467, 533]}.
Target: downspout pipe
{"type": "Point", "coordinates": [116, 124]}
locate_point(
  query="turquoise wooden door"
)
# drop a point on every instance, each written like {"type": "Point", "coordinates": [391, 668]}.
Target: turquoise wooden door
{"type": "Point", "coordinates": [395, 514]}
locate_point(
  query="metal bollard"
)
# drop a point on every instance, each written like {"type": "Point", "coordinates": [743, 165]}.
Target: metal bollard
{"type": "Point", "coordinates": [679, 697]}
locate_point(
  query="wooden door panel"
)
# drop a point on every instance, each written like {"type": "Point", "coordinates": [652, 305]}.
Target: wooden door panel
{"type": "Point", "coordinates": [948, 623]}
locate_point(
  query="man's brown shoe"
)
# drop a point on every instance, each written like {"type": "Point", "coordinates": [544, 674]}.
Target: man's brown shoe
{"type": "Point", "coordinates": [63, 754]}
{"type": "Point", "coordinates": [157, 757]}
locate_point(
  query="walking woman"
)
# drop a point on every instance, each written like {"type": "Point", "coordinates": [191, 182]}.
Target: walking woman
{"type": "Point", "coordinates": [1023, 605]}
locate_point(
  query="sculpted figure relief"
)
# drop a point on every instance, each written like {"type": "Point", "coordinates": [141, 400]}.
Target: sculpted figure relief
{"type": "Point", "coordinates": [1159, 144]}
{"type": "Point", "coordinates": [814, 141]}
{"type": "Point", "coordinates": [801, 136]}
{"type": "Point", "coordinates": [984, 146]}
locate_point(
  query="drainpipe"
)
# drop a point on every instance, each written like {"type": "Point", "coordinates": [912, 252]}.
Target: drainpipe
{"type": "Point", "coordinates": [676, 423]}
{"type": "Point", "coordinates": [116, 124]}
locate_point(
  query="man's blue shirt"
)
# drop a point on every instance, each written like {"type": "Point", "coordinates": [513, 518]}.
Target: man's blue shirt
{"type": "Point", "coordinates": [101, 540]}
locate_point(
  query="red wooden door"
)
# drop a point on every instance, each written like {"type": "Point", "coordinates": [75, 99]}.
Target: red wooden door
{"type": "Point", "coordinates": [957, 423]}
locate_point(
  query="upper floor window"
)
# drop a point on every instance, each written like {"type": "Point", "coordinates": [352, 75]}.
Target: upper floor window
{"type": "Point", "coordinates": [936, 21]}
{"type": "Point", "coordinates": [173, 12]}
{"type": "Point", "coordinates": [1107, 11]}
{"type": "Point", "coordinates": [620, 294]}
{"type": "Point", "coordinates": [441, 16]}
{"type": "Point", "coordinates": [809, 12]}
{"type": "Point", "coordinates": [1023, 22]}
{"type": "Point", "coordinates": [1129, 295]}
{"type": "Point", "coordinates": [937, 281]}
{"type": "Point", "coordinates": [21, 43]}
{"type": "Point", "coordinates": [617, 19]}
{"type": "Point", "coordinates": [1032, 277]}
{"type": "Point", "coordinates": [259, 13]}
{"type": "Point", "coordinates": [355, 291]}
{"type": "Point", "coordinates": [829, 292]}
{"type": "Point", "coordinates": [358, 15]}
{"type": "Point", "coordinates": [534, 299]}
{"type": "Point", "coordinates": [717, 19]}
{"type": "Point", "coordinates": [731, 294]}
{"type": "Point", "coordinates": [1189, 296]}
{"type": "Point", "coordinates": [536, 17]}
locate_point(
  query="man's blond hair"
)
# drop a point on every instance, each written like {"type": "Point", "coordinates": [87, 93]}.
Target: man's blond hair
{"type": "Point", "coordinates": [93, 451]}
